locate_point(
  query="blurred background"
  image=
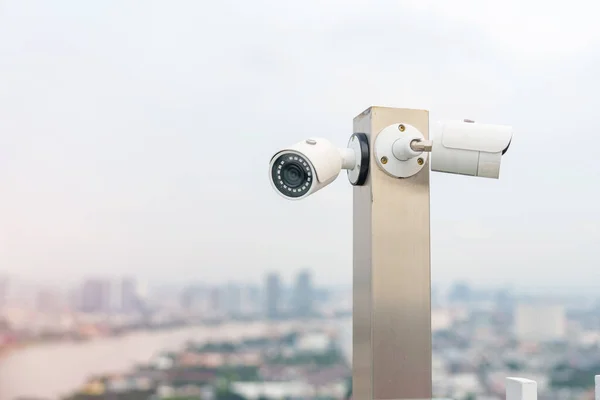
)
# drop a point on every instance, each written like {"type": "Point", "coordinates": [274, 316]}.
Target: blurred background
{"type": "Point", "coordinates": [144, 255]}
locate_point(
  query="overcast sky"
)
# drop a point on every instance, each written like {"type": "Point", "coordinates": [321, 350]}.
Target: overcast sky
{"type": "Point", "coordinates": [135, 136]}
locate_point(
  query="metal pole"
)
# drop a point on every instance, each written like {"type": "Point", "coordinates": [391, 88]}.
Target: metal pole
{"type": "Point", "coordinates": [421, 145]}
{"type": "Point", "coordinates": [392, 281]}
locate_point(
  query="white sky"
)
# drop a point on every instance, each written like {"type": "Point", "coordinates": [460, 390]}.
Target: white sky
{"type": "Point", "coordinates": [135, 135]}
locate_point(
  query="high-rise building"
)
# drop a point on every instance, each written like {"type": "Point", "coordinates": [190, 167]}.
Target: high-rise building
{"type": "Point", "coordinates": [540, 323]}
{"type": "Point", "coordinates": [129, 296]}
{"type": "Point", "coordinates": [460, 292]}
{"type": "Point", "coordinates": [4, 285]}
{"type": "Point", "coordinates": [187, 298]}
{"type": "Point", "coordinates": [95, 296]}
{"type": "Point", "coordinates": [215, 301]}
{"type": "Point", "coordinates": [273, 296]}
{"type": "Point", "coordinates": [303, 295]}
{"type": "Point", "coordinates": [126, 297]}
{"type": "Point", "coordinates": [233, 299]}
{"type": "Point", "coordinates": [504, 300]}
{"type": "Point", "coordinates": [255, 297]}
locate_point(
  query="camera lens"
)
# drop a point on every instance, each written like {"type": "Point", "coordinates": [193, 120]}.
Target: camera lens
{"type": "Point", "coordinates": [292, 175]}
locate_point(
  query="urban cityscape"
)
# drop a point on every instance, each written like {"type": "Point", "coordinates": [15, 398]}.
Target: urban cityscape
{"type": "Point", "coordinates": [98, 306]}
{"type": "Point", "coordinates": [147, 255]}
{"type": "Point", "coordinates": [292, 340]}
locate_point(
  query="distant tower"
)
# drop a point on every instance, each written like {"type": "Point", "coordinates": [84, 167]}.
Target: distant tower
{"type": "Point", "coordinates": [187, 298]}
{"type": "Point", "coordinates": [130, 301]}
{"type": "Point", "coordinates": [460, 293]}
{"type": "Point", "coordinates": [95, 296]}
{"type": "Point", "coordinates": [303, 294]}
{"type": "Point", "coordinates": [4, 285]}
{"type": "Point", "coordinates": [251, 298]}
{"type": "Point", "coordinates": [216, 301]}
{"type": "Point", "coordinates": [273, 296]}
{"type": "Point", "coordinates": [233, 299]}
{"type": "Point", "coordinates": [504, 300]}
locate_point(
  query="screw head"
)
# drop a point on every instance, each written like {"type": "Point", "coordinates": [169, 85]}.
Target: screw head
{"type": "Point", "coordinates": [401, 127]}
{"type": "Point", "coordinates": [311, 141]}
{"type": "Point", "coordinates": [420, 161]}
{"type": "Point", "coordinates": [384, 160]}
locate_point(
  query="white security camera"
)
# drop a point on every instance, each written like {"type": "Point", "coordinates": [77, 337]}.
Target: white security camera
{"type": "Point", "coordinates": [469, 148]}
{"type": "Point", "coordinates": [308, 166]}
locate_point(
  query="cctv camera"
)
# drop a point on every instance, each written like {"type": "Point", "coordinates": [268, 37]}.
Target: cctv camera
{"type": "Point", "coordinates": [469, 148]}
{"type": "Point", "coordinates": [308, 166]}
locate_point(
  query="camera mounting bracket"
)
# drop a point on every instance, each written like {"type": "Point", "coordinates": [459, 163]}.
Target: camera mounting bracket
{"type": "Point", "coordinates": [394, 151]}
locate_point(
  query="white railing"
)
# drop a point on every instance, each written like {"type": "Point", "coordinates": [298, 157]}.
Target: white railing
{"type": "Point", "coordinates": [521, 389]}
{"type": "Point", "coordinates": [526, 389]}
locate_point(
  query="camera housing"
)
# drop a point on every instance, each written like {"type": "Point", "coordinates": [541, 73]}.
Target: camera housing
{"type": "Point", "coordinates": [470, 148]}
{"type": "Point", "coordinates": [308, 166]}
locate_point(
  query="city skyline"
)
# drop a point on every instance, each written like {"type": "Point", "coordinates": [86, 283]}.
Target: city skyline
{"type": "Point", "coordinates": [478, 336]}
{"type": "Point", "coordinates": [288, 280]}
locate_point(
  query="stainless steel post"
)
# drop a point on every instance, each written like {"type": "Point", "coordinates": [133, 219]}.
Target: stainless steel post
{"type": "Point", "coordinates": [392, 281]}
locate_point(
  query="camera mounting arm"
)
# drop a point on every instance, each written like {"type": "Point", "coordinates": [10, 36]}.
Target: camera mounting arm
{"type": "Point", "coordinates": [421, 145]}
{"type": "Point", "coordinates": [418, 145]}
{"type": "Point", "coordinates": [427, 145]}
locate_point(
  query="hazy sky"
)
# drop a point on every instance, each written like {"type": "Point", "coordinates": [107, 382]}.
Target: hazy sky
{"type": "Point", "coordinates": [135, 136]}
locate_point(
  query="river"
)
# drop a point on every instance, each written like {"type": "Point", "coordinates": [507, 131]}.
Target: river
{"type": "Point", "coordinates": [53, 370]}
